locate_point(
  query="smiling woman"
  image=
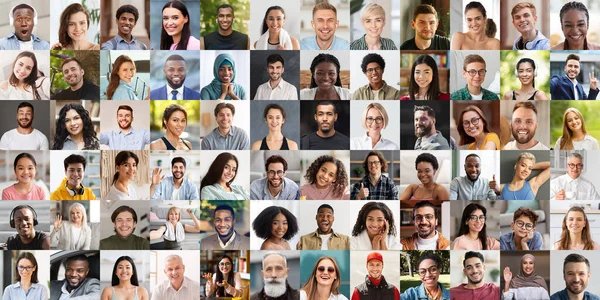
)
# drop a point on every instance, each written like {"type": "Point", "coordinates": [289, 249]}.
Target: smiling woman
{"type": "Point", "coordinates": [119, 86]}
{"type": "Point", "coordinates": [125, 170]}
{"type": "Point", "coordinates": [277, 226]}
{"type": "Point", "coordinates": [74, 129]}
{"type": "Point", "coordinates": [326, 180]}
{"type": "Point", "coordinates": [575, 136]}
{"type": "Point", "coordinates": [174, 120]}
{"type": "Point", "coordinates": [26, 271]}
{"type": "Point", "coordinates": [74, 24]}
{"type": "Point", "coordinates": [326, 277]}
{"type": "Point", "coordinates": [274, 116]}
{"type": "Point", "coordinates": [325, 81]}
{"type": "Point", "coordinates": [26, 82]}
{"type": "Point", "coordinates": [472, 234]}
{"type": "Point", "coordinates": [224, 283]}
{"type": "Point", "coordinates": [125, 284]}
{"type": "Point", "coordinates": [575, 22]}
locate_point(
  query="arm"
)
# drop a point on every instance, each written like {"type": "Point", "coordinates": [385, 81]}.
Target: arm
{"type": "Point", "coordinates": [143, 293]}
{"type": "Point", "coordinates": [196, 227]}
{"type": "Point", "coordinates": [454, 189]}
{"type": "Point", "coordinates": [88, 239]}
{"type": "Point", "coordinates": [245, 142]}
{"type": "Point", "coordinates": [407, 192]}
{"type": "Point", "coordinates": [540, 95]}
{"type": "Point", "coordinates": [442, 193]}
{"type": "Point", "coordinates": [156, 234]}
{"type": "Point", "coordinates": [106, 293]}
{"type": "Point", "coordinates": [490, 145]}
{"type": "Point", "coordinates": [457, 40]}
{"type": "Point", "coordinates": [393, 191]}
{"type": "Point", "coordinates": [537, 181]}
{"type": "Point", "coordinates": [157, 178]}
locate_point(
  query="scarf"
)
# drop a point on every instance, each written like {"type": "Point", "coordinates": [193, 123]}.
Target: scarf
{"type": "Point", "coordinates": [214, 87]}
{"type": "Point", "coordinates": [174, 234]}
{"type": "Point", "coordinates": [532, 280]}
{"type": "Point", "coordinates": [284, 39]}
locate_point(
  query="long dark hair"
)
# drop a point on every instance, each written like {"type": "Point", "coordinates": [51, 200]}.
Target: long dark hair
{"type": "Point", "coordinates": [220, 292]}
{"type": "Point", "coordinates": [434, 87]}
{"type": "Point", "coordinates": [265, 27]}
{"type": "Point", "coordinates": [464, 137]}
{"type": "Point", "coordinates": [115, 279]}
{"type": "Point", "coordinates": [63, 34]}
{"type": "Point", "coordinates": [322, 58]}
{"type": "Point", "coordinates": [530, 61]}
{"type": "Point", "coordinates": [29, 80]}
{"type": "Point", "coordinates": [215, 171]}
{"type": "Point", "coordinates": [464, 228]}
{"type": "Point", "coordinates": [361, 220]}
{"type": "Point", "coordinates": [114, 75]}
{"type": "Point", "coordinates": [341, 178]}
{"type": "Point", "coordinates": [122, 158]}
{"type": "Point", "coordinates": [166, 40]}
{"type": "Point", "coordinates": [89, 135]}
{"type": "Point", "coordinates": [29, 256]}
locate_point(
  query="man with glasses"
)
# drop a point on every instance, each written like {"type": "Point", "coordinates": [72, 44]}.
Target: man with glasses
{"type": "Point", "coordinates": [471, 186]}
{"type": "Point", "coordinates": [324, 238]}
{"type": "Point", "coordinates": [426, 236]}
{"type": "Point", "coordinates": [523, 235]}
{"type": "Point", "coordinates": [566, 87]}
{"type": "Point", "coordinates": [572, 186]}
{"type": "Point", "coordinates": [374, 185]}
{"type": "Point", "coordinates": [476, 287]}
{"type": "Point", "coordinates": [429, 266]}
{"type": "Point", "coordinates": [523, 127]}
{"type": "Point", "coordinates": [375, 285]}
{"type": "Point", "coordinates": [474, 72]}
{"type": "Point", "coordinates": [373, 67]}
{"type": "Point", "coordinates": [275, 186]}
{"type": "Point", "coordinates": [576, 272]}
{"type": "Point", "coordinates": [428, 138]}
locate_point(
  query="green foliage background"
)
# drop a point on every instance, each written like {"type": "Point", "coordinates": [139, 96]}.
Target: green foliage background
{"type": "Point", "coordinates": [157, 109]}
{"type": "Point", "coordinates": [508, 60]}
{"type": "Point", "coordinates": [208, 15]}
{"type": "Point", "coordinates": [589, 109]}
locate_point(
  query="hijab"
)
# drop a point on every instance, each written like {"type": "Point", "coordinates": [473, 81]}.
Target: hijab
{"type": "Point", "coordinates": [532, 280]}
{"type": "Point", "coordinates": [213, 90]}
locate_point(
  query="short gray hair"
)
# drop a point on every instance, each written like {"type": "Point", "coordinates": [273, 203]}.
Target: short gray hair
{"type": "Point", "coordinates": [273, 253]}
{"type": "Point", "coordinates": [173, 256]}
{"type": "Point", "coordinates": [576, 155]}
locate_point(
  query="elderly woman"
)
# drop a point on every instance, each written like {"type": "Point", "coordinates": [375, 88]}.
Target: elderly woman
{"type": "Point", "coordinates": [223, 86]}
{"type": "Point", "coordinates": [429, 267]}
{"type": "Point", "coordinates": [375, 119]}
{"type": "Point", "coordinates": [526, 285]}
{"type": "Point", "coordinates": [372, 17]}
{"type": "Point", "coordinates": [74, 234]}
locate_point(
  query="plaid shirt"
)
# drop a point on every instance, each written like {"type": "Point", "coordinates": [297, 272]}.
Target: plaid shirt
{"type": "Point", "coordinates": [385, 189]}
{"type": "Point", "coordinates": [463, 94]}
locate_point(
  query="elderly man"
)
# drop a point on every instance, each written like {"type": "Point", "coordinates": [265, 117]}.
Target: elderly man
{"type": "Point", "coordinates": [177, 285]}
{"type": "Point", "coordinates": [572, 186]}
{"type": "Point", "coordinates": [76, 284]}
{"type": "Point", "coordinates": [275, 273]}
{"type": "Point", "coordinates": [375, 285]}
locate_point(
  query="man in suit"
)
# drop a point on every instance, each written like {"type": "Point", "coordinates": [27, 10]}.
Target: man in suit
{"type": "Point", "coordinates": [566, 87]}
{"type": "Point", "coordinates": [175, 70]}
{"type": "Point", "coordinates": [76, 284]}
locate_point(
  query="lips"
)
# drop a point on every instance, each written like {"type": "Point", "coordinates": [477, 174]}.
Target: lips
{"type": "Point", "coordinates": [576, 36]}
{"type": "Point", "coordinates": [323, 181]}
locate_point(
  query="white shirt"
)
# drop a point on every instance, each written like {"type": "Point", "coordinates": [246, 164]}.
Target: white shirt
{"type": "Point", "coordinates": [114, 194]}
{"type": "Point", "coordinates": [362, 242]}
{"type": "Point", "coordinates": [13, 140]}
{"type": "Point", "coordinates": [583, 189]}
{"type": "Point", "coordinates": [309, 94]}
{"type": "Point", "coordinates": [339, 296]}
{"type": "Point", "coordinates": [364, 143]}
{"type": "Point", "coordinates": [512, 145]}
{"type": "Point", "coordinates": [179, 92]}
{"type": "Point", "coordinates": [189, 290]}
{"type": "Point", "coordinates": [588, 143]}
{"type": "Point", "coordinates": [575, 91]}
{"type": "Point", "coordinates": [26, 45]}
{"type": "Point", "coordinates": [324, 241]}
{"type": "Point", "coordinates": [477, 97]}
{"type": "Point", "coordinates": [428, 244]}
{"type": "Point", "coordinates": [525, 293]}
{"type": "Point", "coordinates": [283, 91]}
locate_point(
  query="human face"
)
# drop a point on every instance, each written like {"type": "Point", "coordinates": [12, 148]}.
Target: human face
{"type": "Point", "coordinates": [274, 119]}
{"type": "Point", "coordinates": [275, 70]}
{"type": "Point", "coordinates": [229, 171]}
{"type": "Point", "coordinates": [178, 170]}
{"type": "Point", "coordinates": [325, 75]}
{"type": "Point", "coordinates": [473, 168]}
{"type": "Point", "coordinates": [173, 21]}
{"type": "Point", "coordinates": [475, 20]}
{"type": "Point", "coordinates": [423, 123]}
{"type": "Point", "coordinates": [374, 73]}
{"type": "Point", "coordinates": [273, 170]}
{"type": "Point", "coordinates": [225, 266]}
{"type": "Point", "coordinates": [23, 23]}
{"type": "Point", "coordinates": [478, 79]}
{"type": "Point", "coordinates": [525, 73]}
{"type": "Point", "coordinates": [423, 75]}
{"type": "Point", "coordinates": [224, 222]}
{"type": "Point", "coordinates": [576, 276]}
{"type": "Point", "coordinates": [375, 222]}
{"type": "Point", "coordinates": [374, 165]}
{"type": "Point", "coordinates": [429, 273]}
{"type": "Point", "coordinates": [174, 215]}
{"type": "Point", "coordinates": [73, 122]}
{"type": "Point", "coordinates": [225, 18]}
{"type": "Point", "coordinates": [75, 273]}
{"type": "Point", "coordinates": [325, 219]}
{"type": "Point", "coordinates": [275, 21]}
{"type": "Point", "coordinates": [127, 169]}
{"type": "Point", "coordinates": [425, 222]}
{"type": "Point", "coordinates": [24, 117]}
{"type": "Point", "coordinates": [577, 164]}
{"type": "Point", "coordinates": [125, 224]}
{"type": "Point", "coordinates": [471, 129]}
{"type": "Point", "coordinates": [574, 26]}
{"type": "Point", "coordinates": [572, 68]}
{"type": "Point", "coordinates": [474, 270]}
{"type": "Point", "coordinates": [528, 266]}
{"type": "Point", "coordinates": [524, 20]}
{"type": "Point", "coordinates": [523, 168]}
{"type": "Point", "coordinates": [72, 73]}
{"type": "Point", "coordinates": [325, 118]}
{"type": "Point", "coordinates": [425, 172]}
{"type": "Point", "coordinates": [74, 173]}
{"type": "Point", "coordinates": [522, 232]}
{"type": "Point", "coordinates": [374, 268]}
{"type": "Point", "coordinates": [373, 24]}
{"type": "Point", "coordinates": [174, 269]}
{"type": "Point", "coordinates": [425, 26]}
{"type": "Point", "coordinates": [126, 71]}
{"type": "Point", "coordinates": [25, 170]}
{"type": "Point", "coordinates": [24, 222]}
{"type": "Point", "coordinates": [326, 273]}
{"type": "Point", "coordinates": [175, 71]}
{"type": "Point", "coordinates": [77, 26]}
{"type": "Point", "coordinates": [22, 267]}
{"type": "Point", "coordinates": [224, 118]}
{"type": "Point", "coordinates": [524, 124]}
{"type": "Point", "coordinates": [476, 225]}
{"type": "Point", "coordinates": [225, 73]}
{"type": "Point", "coordinates": [279, 226]}
{"type": "Point", "coordinates": [23, 67]}
{"type": "Point", "coordinates": [575, 221]}
{"type": "Point", "coordinates": [376, 122]}
{"type": "Point", "coordinates": [326, 175]}
{"type": "Point", "coordinates": [124, 118]}
{"type": "Point", "coordinates": [76, 215]}
{"type": "Point", "coordinates": [574, 122]}
{"type": "Point", "coordinates": [124, 271]}
{"type": "Point", "coordinates": [274, 266]}
{"type": "Point", "coordinates": [176, 123]}
{"type": "Point", "coordinates": [324, 22]}
{"type": "Point", "coordinates": [125, 24]}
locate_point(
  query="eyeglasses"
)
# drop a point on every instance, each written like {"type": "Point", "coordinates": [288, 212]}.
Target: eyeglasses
{"type": "Point", "coordinates": [370, 120]}
{"type": "Point", "coordinates": [374, 163]}
{"type": "Point", "coordinates": [224, 264]}
{"type": "Point", "coordinates": [370, 70]}
{"type": "Point", "coordinates": [474, 72]}
{"type": "Point", "coordinates": [520, 224]}
{"type": "Point", "coordinates": [428, 217]}
{"type": "Point", "coordinates": [432, 270]}
{"type": "Point", "coordinates": [329, 270]}
{"type": "Point", "coordinates": [272, 173]}
{"type": "Point", "coordinates": [473, 121]}
{"type": "Point", "coordinates": [28, 268]}
{"type": "Point", "coordinates": [474, 218]}
{"type": "Point", "coordinates": [573, 166]}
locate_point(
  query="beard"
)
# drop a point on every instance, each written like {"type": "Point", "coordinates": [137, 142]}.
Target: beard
{"type": "Point", "coordinates": [522, 140]}
{"type": "Point", "coordinates": [423, 132]}
{"type": "Point", "coordinates": [176, 85]}
{"type": "Point", "coordinates": [583, 286]}
{"type": "Point", "coordinates": [126, 126]}
{"type": "Point", "coordinates": [326, 130]}
{"type": "Point", "coordinates": [426, 234]}
{"type": "Point", "coordinates": [275, 287]}
{"type": "Point", "coordinates": [474, 282]}
{"type": "Point", "coordinates": [25, 125]}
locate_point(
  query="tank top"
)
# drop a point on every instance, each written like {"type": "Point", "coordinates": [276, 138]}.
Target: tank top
{"type": "Point", "coordinates": [235, 41]}
{"type": "Point", "coordinates": [114, 295]}
{"type": "Point", "coordinates": [530, 98]}
{"type": "Point", "coordinates": [170, 147]}
{"type": "Point", "coordinates": [525, 193]}
{"type": "Point", "coordinates": [264, 146]}
{"type": "Point", "coordinates": [412, 197]}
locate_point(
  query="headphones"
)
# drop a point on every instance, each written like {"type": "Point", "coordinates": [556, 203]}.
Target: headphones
{"type": "Point", "coordinates": [12, 215]}
{"type": "Point", "coordinates": [524, 60]}
{"type": "Point", "coordinates": [12, 19]}
{"type": "Point", "coordinates": [78, 191]}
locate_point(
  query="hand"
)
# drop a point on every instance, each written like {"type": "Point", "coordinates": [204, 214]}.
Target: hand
{"type": "Point", "coordinates": [224, 284]}
{"type": "Point", "coordinates": [230, 91]}
{"type": "Point", "coordinates": [376, 242]}
{"type": "Point", "coordinates": [190, 211]}
{"type": "Point", "coordinates": [157, 176]}
{"type": "Point", "coordinates": [58, 222]}
{"type": "Point", "coordinates": [386, 229]}
{"type": "Point", "coordinates": [364, 192]}
{"type": "Point", "coordinates": [560, 195]}
{"type": "Point", "coordinates": [529, 236]}
{"type": "Point", "coordinates": [507, 275]}
{"type": "Point", "coordinates": [57, 46]}
{"type": "Point", "coordinates": [209, 280]}
{"type": "Point", "coordinates": [593, 81]}
{"type": "Point", "coordinates": [280, 47]}
{"type": "Point", "coordinates": [493, 185]}
{"type": "Point", "coordinates": [225, 88]}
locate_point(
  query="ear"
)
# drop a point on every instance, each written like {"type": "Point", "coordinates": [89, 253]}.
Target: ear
{"type": "Point", "coordinates": [262, 273]}
{"type": "Point", "coordinates": [312, 23]}
{"type": "Point", "coordinates": [412, 24]}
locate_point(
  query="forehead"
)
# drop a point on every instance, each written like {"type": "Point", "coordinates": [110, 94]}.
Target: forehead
{"type": "Point", "coordinates": [524, 218]}
{"type": "Point", "coordinates": [475, 65]}
{"type": "Point", "coordinates": [325, 108]}
{"type": "Point", "coordinates": [424, 210]}
{"type": "Point", "coordinates": [24, 262]}
{"type": "Point", "coordinates": [24, 161]}
{"type": "Point", "coordinates": [373, 112]}
{"type": "Point", "coordinates": [124, 111]}
{"type": "Point", "coordinates": [23, 212]}
{"type": "Point", "coordinates": [573, 62]}
{"type": "Point", "coordinates": [275, 166]}
{"type": "Point", "coordinates": [22, 11]}
{"type": "Point", "coordinates": [472, 160]}
{"type": "Point", "coordinates": [373, 158]}
{"type": "Point", "coordinates": [75, 166]}
{"type": "Point", "coordinates": [373, 64]}
{"type": "Point", "coordinates": [325, 210]}
{"type": "Point", "coordinates": [422, 67]}
{"type": "Point", "coordinates": [324, 14]}
{"type": "Point", "coordinates": [523, 11]}
{"type": "Point", "coordinates": [72, 113]}
{"type": "Point", "coordinates": [24, 109]}
{"type": "Point", "coordinates": [128, 16]}
{"type": "Point", "coordinates": [225, 11]}
{"type": "Point", "coordinates": [574, 159]}
{"type": "Point", "coordinates": [78, 16]}
{"type": "Point", "coordinates": [575, 266]}
{"type": "Point", "coordinates": [374, 262]}
{"type": "Point", "coordinates": [376, 213]}
{"type": "Point", "coordinates": [473, 13]}
{"type": "Point", "coordinates": [326, 263]}
{"type": "Point", "coordinates": [331, 167]}
{"type": "Point", "coordinates": [126, 64]}
{"type": "Point", "coordinates": [225, 110]}
{"type": "Point", "coordinates": [425, 17]}
{"type": "Point", "coordinates": [274, 111]}
{"type": "Point", "coordinates": [472, 261]}
{"type": "Point", "coordinates": [173, 262]}
{"type": "Point", "coordinates": [77, 264]}
{"type": "Point", "coordinates": [274, 260]}
{"type": "Point", "coordinates": [231, 163]}
{"type": "Point", "coordinates": [223, 213]}
{"type": "Point", "coordinates": [426, 263]}
{"type": "Point", "coordinates": [470, 114]}
{"type": "Point", "coordinates": [575, 214]}
{"type": "Point", "coordinates": [275, 64]}
{"type": "Point", "coordinates": [525, 65]}
{"type": "Point", "coordinates": [523, 112]}
{"type": "Point", "coordinates": [424, 165]}
{"type": "Point", "coordinates": [574, 15]}
{"type": "Point", "coordinates": [124, 262]}
{"type": "Point", "coordinates": [178, 164]}
{"type": "Point", "coordinates": [125, 215]}
{"type": "Point", "coordinates": [178, 114]}
{"type": "Point", "coordinates": [75, 209]}
{"type": "Point", "coordinates": [421, 113]}
{"type": "Point", "coordinates": [175, 63]}
{"type": "Point", "coordinates": [326, 65]}
{"type": "Point", "coordinates": [70, 65]}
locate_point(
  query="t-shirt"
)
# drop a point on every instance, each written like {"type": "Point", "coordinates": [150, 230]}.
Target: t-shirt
{"type": "Point", "coordinates": [26, 45]}
{"type": "Point", "coordinates": [325, 240]}
{"type": "Point", "coordinates": [312, 141]}
{"type": "Point", "coordinates": [88, 91]}
{"type": "Point", "coordinates": [14, 242]}
{"type": "Point", "coordinates": [235, 41]}
{"type": "Point", "coordinates": [133, 242]}
{"type": "Point", "coordinates": [512, 145]}
{"type": "Point", "coordinates": [437, 43]}
{"type": "Point", "coordinates": [13, 140]}
{"type": "Point", "coordinates": [36, 193]}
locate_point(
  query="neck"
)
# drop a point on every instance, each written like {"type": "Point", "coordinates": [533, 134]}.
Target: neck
{"type": "Point", "coordinates": [429, 184]}
{"type": "Point", "coordinates": [275, 135]}
{"type": "Point", "coordinates": [323, 291]}
{"type": "Point", "coordinates": [79, 45]}
{"type": "Point", "coordinates": [123, 181]}
{"type": "Point", "coordinates": [273, 37]}
{"type": "Point", "coordinates": [319, 231]}
{"type": "Point", "coordinates": [528, 36]}
{"type": "Point", "coordinates": [274, 83]}
{"type": "Point", "coordinates": [431, 235]}
{"type": "Point", "coordinates": [421, 43]}
{"type": "Point", "coordinates": [177, 182]}
{"type": "Point", "coordinates": [126, 37]}
{"type": "Point", "coordinates": [171, 137]}
{"type": "Point", "coordinates": [225, 32]}
{"type": "Point", "coordinates": [527, 145]}
{"type": "Point", "coordinates": [27, 239]}
{"type": "Point", "coordinates": [330, 133]}
{"type": "Point", "coordinates": [324, 45]}
{"type": "Point", "coordinates": [473, 235]}
{"type": "Point", "coordinates": [479, 37]}
{"type": "Point", "coordinates": [375, 136]}
{"type": "Point", "coordinates": [177, 38]}
{"type": "Point", "coordinates": [223, 184]}
{"type": "Point", "coordinates": [517, 239]}
{"type": "Point", "coordinates": [578, 134]}
{"type": "Point", "coordinates": [474, 90]}
{"type": "Point", "coordinates": [376, 86]}
{"type": "Point", "coordinates": [273, 190]}
{"type": "Point", "coordinates": [25, 282]}
{"type": "Point", "coordinates": [177, 285]}
{"type": "Point", "coordinates": [423, 93]}
{"type": "Point", "coordinates": [575, 296]}
{"type": "Point", "coordinates": [73, 187]}
{"type": "Point", "coordinates": [480, 139]}
{"type": "Point", "coordinates": [125, 284]}
{"type": "Point", "coordinates": [77, 86]}
{"type": "Point", "coordinates": [433, 290]}
{"type": "Point", "coordinates": [432, 132]}
{"type": "Point", "coordinates": [126, 130]}
{"type": "Point", "coordinates": [575, 238]}
{"type": "Point", "coordinates": [24, 185]}
{"type": "Point", "coordinates": [224, 131]}
{"type": "Point", "coordinates": [517, 182]}
{"type": "Point", "coordinates": [78, 224]}
{"type": "Point", "coordinates": [374, 177]}
{"type": "Point", "coordinates": [225, 238]}
{"type": "Point", "coordinates": [526, 88]}
{"type": "Point", "coordinates": [372, 41]}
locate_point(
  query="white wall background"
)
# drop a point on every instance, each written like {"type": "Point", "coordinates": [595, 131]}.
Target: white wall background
{"type": "Point", "coordinates": [490, 163]}
{"type": "Point", "coordinates": [243, 171]}
{"type": "Point", "coordinates": [391, 11]}
{"type": "Point", "coordinates": [240, 119]}
{"type": "Point", "coordinates": [57, 8]}
{"type": "Point", "coordinates": [8, 58]}
{"type": "Point", "coordinates": [391, 132]}
{"type": "Point", "coordinates": [557, 281]}
{"type": "Point", "coordinates": [257, 15]}
{"type": "Point", "coordinates": [358, 267]}
{"type": "Point", "coordinates": [342, 223]}
{"type": "Point", "coordinates": [492, 65]}
{"type": "Point", "coordinates": [242, 72]}
{"type": "Point", "coordinates": [457, 15]}
{"type": "Point", "coordinates": [390, 75]}
{"type": "Point", "coordinates": [257, 206]}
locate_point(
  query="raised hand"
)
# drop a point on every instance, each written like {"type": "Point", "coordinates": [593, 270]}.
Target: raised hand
{"type": "Point", "coordinates": [507, 278]}
{"type": "Point", "coordinates": [593, 81]}
{"type": "Point", "coordinates": [157, 176]}
{"type": "Point", "coordinates": [209, 283]}
{"type": "Point", "coordinates": [58, 222]}
{"type": "Point", "coordinates": [494, 185]}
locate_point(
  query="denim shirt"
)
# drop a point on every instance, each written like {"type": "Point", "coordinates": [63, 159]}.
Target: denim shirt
{"type": "Point", "coordinates": [507, 242]}
{"type": "Point", "coordinates": [134, 140]}
{"type": "Point", "coordinates": [564, 295]}
{"type": "Point", "coordinates": [418, 293]}
{"type": "Point", "coordinates": [259, 190]}
{"type": "Point", "coordinates": [124, 92]}
{"type": "Point", "coordinates": [11, 42]}
{"type": "Point", "coordinates": [121, 44]}
{"type": "Point", "coordinates": [187, 191]}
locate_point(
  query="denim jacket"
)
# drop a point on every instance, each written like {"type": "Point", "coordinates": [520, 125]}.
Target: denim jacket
{"type": "Point", "coordinates": [259, 190]}
{"type": "Point", "coordinates": [11, 42]}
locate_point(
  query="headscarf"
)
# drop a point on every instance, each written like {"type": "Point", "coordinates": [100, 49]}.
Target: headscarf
{"type": "Point", "coordinates": [213, 90]}
{"type": "Point", "coordinates": [532, 280]}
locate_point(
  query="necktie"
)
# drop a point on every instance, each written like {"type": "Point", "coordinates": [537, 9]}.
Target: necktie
{"type": "Point", "coordinates": [174, 93]}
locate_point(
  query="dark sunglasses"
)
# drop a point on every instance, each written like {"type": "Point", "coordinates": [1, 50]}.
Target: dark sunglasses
{"type": "Point", "coordinates": [329, 270]}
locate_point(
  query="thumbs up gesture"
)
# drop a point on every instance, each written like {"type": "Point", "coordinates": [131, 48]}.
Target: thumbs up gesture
{"type": "Point", "coordinates": [364, 192]}
{"type": "Point", "coordinates": [494, 185]}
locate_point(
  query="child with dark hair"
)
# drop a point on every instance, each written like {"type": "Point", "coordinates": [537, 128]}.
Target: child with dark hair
{"type": "Point", "coordinates": [326, 180]}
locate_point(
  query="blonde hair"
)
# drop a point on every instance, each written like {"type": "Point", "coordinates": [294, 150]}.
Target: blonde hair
{"type": "Point", "coordinates": [526, 155]}
{"type": "Point", "coordinates": [174, 208]}
{"type": "Point", "coordinates": [372, 9]}
{"type": "Point", "coordinates": [324, 6]}
{"type": "Point", "coordinates": [523, 5]}
{"type": "Point", "coordinates": [82, 209]}
{"type": "Point", "coordinates": [380, 109]}
{"type": "Point", "coordinates": [566, 142]}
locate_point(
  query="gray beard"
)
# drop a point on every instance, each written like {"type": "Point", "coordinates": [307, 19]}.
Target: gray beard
{"type": "Point", "coordinates": [275, 287]}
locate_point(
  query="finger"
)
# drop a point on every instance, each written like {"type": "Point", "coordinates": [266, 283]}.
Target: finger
{"type": "Point", "coordinates": [494, 177]}
{"type": "Point", "coordinates": [593, 75]}
{"type": "Point", "coordinates": [362, 185]}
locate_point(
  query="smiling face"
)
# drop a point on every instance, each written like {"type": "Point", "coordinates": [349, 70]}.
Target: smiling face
{"type": "Point", "coordinates": [23, 67]}
{"type": "Point", "coordinates": [229, 171]}
{"type": "Point", "coordinates": [324, 22]}
{"type": "Point", "coordinates": [176, 123]}
{"type": "Point", "coordinates": [22, 266]}
{"type": "Point", "coordinates": [279, 226]}
{"type": "Point", "coordinates": [325, 219]}
{"type": "Point", "coordinates": [273, 178]}
{"type": "Point", "coordinates": [572, 68]}
{"type": "Point", "coordinates": [174, 215]}
{"type": "Point", "coordinates": [374, 268]}
{"type": "Point", "coordinates": [173, 21]}
{"type": "Point", "coordinates": [124, 119]}
{"type": "Point", "coordinates": [425, 228]}
{"type": "Point", "coordinates": [127, 169]}
{"type": "Point", "coordinates": [423, 123]}
{"type": "Point", "coordinates": [574, 122]}
{"type": "Point", "coordinates": [574, 26]}
{"type": "Point", "coordinates": [178, 170]}
{"type": "Point", "coordinates": [225, 18]}
{"type": "Point", "coordinates": [224, 118]}
{"type": "Point", "coordinates": [275, 70]}
{"type": "Point", "coordinates": [73, 122]}
{"type": "Point", "coordinates": [375, 127]}
{"type": "Point", "coordinates": [524, 125]}
{"type": "Point", "coordinates": [275, 21]}
{"type": "Point", "coordinates": [374, 165]}
{"type": "Point", "coordinates": [77, 26]}
{"type": "Point", "coordinates": [174, 269]}
{"type": "Point", "coordinates": [125, 24]}
{"type": "Point", "coordinates": [474, 269]}
{"type": "Point", "coordinates": [125, 224]}
{"type": "Point", "coordinates": [225, 73]}
{"type": "Point", "coordinates": [523, 168]}
{"type": "Point", "coordinates": [274, 266]}
{"type": "Point", "coordinates": [24, 117]}
{"type": "Point", "coordinates": [425, 26]}
{"type": "Point", "coordinates": [575, 221]}
{"type": "Point", "coordinates": [25, 170]}
{"type": "Point", "coordinates": [23, 23]}
{"type": "Point", "coordinates": [472, 130]}
{"type": "Point", "coordinates": [225, 265]}
{"type": "Point", "coordinates": [326, 175]}
{"type": "Point", "coordinates": [75, 273]}
{"type": "Point", "coordinates": [425, 172]}
{"type": "Point", "coordinates": [74, 173]}
{"type": "Point", "coordinates": [223, 222]}
{"type": "Point", "coordinates": [375, 222]}
{"type": "Point", "coordinates": [429, 279]}
{"type": "Point", "coordinates": [24, 222]}
{"type": "Point", "coordinates": [521, 231]}
{"type": "Point", "coordinates": [325, 75]}
{"type": "Point", "coordinates": [325, 118]}
{"type": "Point", "coordinates": [326, 273]}
{"type": "Point", "coordinates": [175, 71]}
{"type": "Point", "coordinates": [473, 167]}
{"type": "Point", "coordinates": [72, 73]}
{"type": "Point", "coordinates": [274, 119]}
{"type": "Point", "coordinates": [528, 266]}
{"type": "Point", "coordinates": [423, 75]}
{"type": "Point", "coordinates": [576, 275]}
{"type": "Point", "coordinates": [124, 271]}
{"type": "Point", "coordinates": [76, 215]}
{"type": "Point", "coordinates": [526, 73]}
{"type": "Point", "coordinates": [374, 73]}
{"type": "Point", "coordinates": [477, 80]}
{"type": "Point", "coordinates": [574, 172]}
{"type": "Point", "coordinates": [477, 225]}
{"type": "Point", "coordinates": [373, 24]}
{"type": "Point", "coordinates": [475, 20]}
{"type": "Point", "coordinates": [524, 20]}
{"type": "Point", "coordinates": [126, 71]}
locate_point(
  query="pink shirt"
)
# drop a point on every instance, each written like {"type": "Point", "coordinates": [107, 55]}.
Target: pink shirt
{"type": "Point", "coordinates": [311, 192]}
{"type": "Point", "coordinates": [10, 193]}
{"type": "Point", "coordinates": [464, 243]}
{"type": "Point", "coordinates": [487, 291]}
{"type": "Point", "coordinates": [193, 44]}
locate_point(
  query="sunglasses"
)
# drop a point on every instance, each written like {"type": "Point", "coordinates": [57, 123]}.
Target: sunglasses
{"type": "Point", "coordinates": [329, 270]}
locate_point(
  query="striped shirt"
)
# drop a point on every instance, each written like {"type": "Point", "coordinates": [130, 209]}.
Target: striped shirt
{"type": "Point", "coordinates": [361, 44]}
{"type": "Point", "coordinates": [385, 189]}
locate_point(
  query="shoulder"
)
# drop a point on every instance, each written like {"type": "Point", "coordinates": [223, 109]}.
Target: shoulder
{"type": "Point", "coordinates": [4, 85]}
{"type": "Point", "coordinates": [158, 144]}
{"type": "Point", "coordinates": [95, 47]}
{"type": "Point", "coordinates": [458, 36]}
{"type": "Point", "coordinates": [559, 46]}
{"type": "Point", "coordinates": [494, 44]}
{"type": "Point", "coordinates": [508, 95]}
{"type": "Point", "coordinates": [540, 95]}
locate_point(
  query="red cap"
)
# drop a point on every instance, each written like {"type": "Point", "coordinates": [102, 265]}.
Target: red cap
{"type": "Point", "coordinates": [375, 255]}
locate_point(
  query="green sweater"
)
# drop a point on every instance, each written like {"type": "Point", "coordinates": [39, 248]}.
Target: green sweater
{"type": "Point", "coordinates": [133, 242]}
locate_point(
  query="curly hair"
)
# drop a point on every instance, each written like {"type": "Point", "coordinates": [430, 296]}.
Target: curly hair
{"type": "Point", "coordinates": [341, 178]}
{"type": "Point", "coordinates": [361, 220]}
{"type": "Point", "coordinates": [30, 80]}
{"type": "Point", "coordinates": [263, 223]}
{"type": "Point", "coordinates": [527, 212]}
{"type": "Point", "coordinates": [114, 75]}
{"type": "Point", "coordinates": [427, 157]}
{"type": "Point", "coordinates": [464, 137]}
{"type": "Point", "coordinates": [165, 39]}
{"type": "Point", "coordinates": [372, 58]}
{"type": "Point", "coordinates": [382, 161]}
{"type": "Point", "coordinates": [565, 236]}
{"type": "Point", "coordinates": [215, 171]}
{"type": "Point", "coordinates": [28, 256]}
{"type": "Point", "coordinates": [63, 32]}
{"type": "Point", "coordinates": [169, 110]}
{"type": "Point", "coordinates": [324, 58]}
{"type": "Point", "coordinates": [464, 228]}
{"type": "Point", "coordinates": [310, 287]}
{"type": "Point", "coordinates": [134, 275]}
{"type": "Point", "coordinates": [89, 134]}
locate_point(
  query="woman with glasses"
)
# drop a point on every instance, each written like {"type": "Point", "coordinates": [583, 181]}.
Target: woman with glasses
{"type": "Point", "coordinates": [424, 83]}
{"type": "Point", "coordinates": [520, 188]}
{"type": "Point", "coordinates": [375, 229]}
{"type": "Point", "coordinates": [574, 136]}
{"type": "Point", "coordinates": [526, 285]}
{"type": "Point", "coordinates": [575, 232]}
{"type": "Point", "coordinates": [324, 281]}
{"type": "Point", "coordinates": [26, 285]}
{"type": "Point", "coordinates": [474, 132]}
{"type": "Point", "coordinates": [276, 225]}
{"type": "Point", "coordinates": [374, 119]}
{"type": "Point", "coordinates": [429, 267]}
{"type": "Point", "coordinates": [472, 234]}
{"type": "Point", "coordinates": [224, 283]}
{"type": "Point", "coordinates": [427, 167]}
{"type": "Point", "coordinates": [274, 116]}
{"type": "Point", "coordinates": [526, 72]}
{"type": "Point", "coordinates": [524, 235]}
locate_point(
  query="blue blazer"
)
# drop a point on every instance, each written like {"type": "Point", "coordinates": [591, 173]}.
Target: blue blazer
{"type": "Point", "coordinates": [161, 94]}
{"type": "Point", "coordinates": [561, 88]}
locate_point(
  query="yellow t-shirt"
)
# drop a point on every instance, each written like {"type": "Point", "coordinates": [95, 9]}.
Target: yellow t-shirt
{"type": "Point", "coordinates": [61, 193]}
{"type": "Point", "coordinates": [490, 137]}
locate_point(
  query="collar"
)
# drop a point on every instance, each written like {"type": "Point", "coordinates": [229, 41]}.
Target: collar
{"type": "Point", "coordinates": [121, 81]}
{"type": "Point", "coordinates": [233, 237]}
{"type": "Point", "coordinates": [278, 87]}
{"type": "Point", "coordinates": [367, 138]}
{"type": "Point", "coordinates": [183, 284]}
{"type": "Point", "coordinates": [383, 87]}
{"type": "Point", "coordinates": [316, 233]}
{"type": "Point", "coordinates": [169, 89]}
{"type": "Point", "coordinates": [230, 133]}
{"type": "Point", "coordinates": [12, 35]}
{"type": "Point", "coordinates": [538, 36]}
{"type": "Point", "coordinates": [568, 179]}
{"type": "Point", "coordinates": [131, 130]}
{"type": "Point", "coordinates": [118, 38]}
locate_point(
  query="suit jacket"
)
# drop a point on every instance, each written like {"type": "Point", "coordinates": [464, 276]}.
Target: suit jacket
{"type": "Point", "coordinates": [561, 88]}
{"type": "Point", "coordinates": [161, 94]}
{"type": "Point", "coordinates": [88, 290]}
